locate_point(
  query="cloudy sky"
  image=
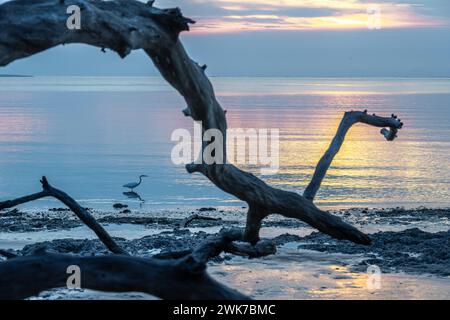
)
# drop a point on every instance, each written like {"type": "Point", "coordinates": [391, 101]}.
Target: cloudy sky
{"type": "Point", "coordinates": [324, 38]}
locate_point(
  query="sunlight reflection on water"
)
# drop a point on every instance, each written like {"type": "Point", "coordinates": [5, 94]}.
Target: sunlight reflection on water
{"type": "Point", "coordinates": [91, 135]}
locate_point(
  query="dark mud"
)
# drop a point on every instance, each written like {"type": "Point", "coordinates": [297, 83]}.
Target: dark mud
{"type": "Point", "coordinates": [16, 221]}
{"type": "Point", "coordinates": [411, 251]}
{"type": "Point", "coordinates": [63, 219]}
{"type": "Point", "coordinates": [177, 240]}
{"type": "Point", "coordinates": [405, 216]}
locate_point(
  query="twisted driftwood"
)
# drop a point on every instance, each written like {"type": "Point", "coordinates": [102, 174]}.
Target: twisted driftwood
{"type": "Point", "coordinates": [31, 26]}
{"type": "Point", "coordinates": [182, 278]}
{"type": "Point", "coordinates": [22, 277]}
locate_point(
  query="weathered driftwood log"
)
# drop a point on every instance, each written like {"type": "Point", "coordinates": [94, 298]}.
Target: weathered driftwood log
{"type": "Point", "coordinates": [182, 278]}
{"type": "Point", "coordinates": [225, 241]}
{"type": "Point", "coordinates": [27, 276]}
{"type": "Point", "coordinates": [29, 27]}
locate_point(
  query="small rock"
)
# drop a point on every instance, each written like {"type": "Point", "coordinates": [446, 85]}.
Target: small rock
{"type": "Point", "coordinates": [126, 211]}
{"type": "Point", "coordinates": [207, 209]}
{"type": "Point", "coordinates": [58, 209]}
{"type": "Point", "coordinates": [120, 206]}
{"type": "Point", "coordinates": [12, 213]}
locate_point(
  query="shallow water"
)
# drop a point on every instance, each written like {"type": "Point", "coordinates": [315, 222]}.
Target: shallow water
{"type": "Point", "coordinates": [18, 240]}
{"type": "Point", "coordinates": [91, 135]}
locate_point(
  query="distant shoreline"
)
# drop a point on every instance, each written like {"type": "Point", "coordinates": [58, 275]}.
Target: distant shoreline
{"type": "Point", "coordinates": [14, 76]}
{"type": "Point", "coordinates": [242, 77]}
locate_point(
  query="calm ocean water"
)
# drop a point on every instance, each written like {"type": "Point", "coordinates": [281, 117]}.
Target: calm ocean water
{"type": "Point", "coordinates": [92, 135]}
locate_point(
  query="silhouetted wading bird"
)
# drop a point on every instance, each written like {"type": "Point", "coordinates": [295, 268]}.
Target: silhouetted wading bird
{"type": "Point", "coordinates": [133, 185]}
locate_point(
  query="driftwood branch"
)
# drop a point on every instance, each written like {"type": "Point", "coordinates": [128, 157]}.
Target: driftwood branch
{"type": "Point", "coordinates": [216, 244]}
{"type": "Point", "coordinates": [186, 222]}
{"type": "Point", "coordinates": [80, 212]}
{"type": "Point", "coordinates": [227, 240]}
{"type": "Point", "coordinates": [32, 26]}
{"type": "Point", "coordinates": [27, 276]}
{"type": "Point", "coordinates": [390, 128]}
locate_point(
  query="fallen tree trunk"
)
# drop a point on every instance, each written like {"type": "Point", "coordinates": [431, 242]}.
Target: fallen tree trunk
{"type": "Point", "coordinates": [27, 276]}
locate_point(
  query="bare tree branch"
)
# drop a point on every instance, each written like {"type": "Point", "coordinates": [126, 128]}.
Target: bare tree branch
{"type": "Point", "coordinates": [224, 241]}
{"type": "Point", "coordinates": [32, 197]}
{"type": "Point", "coordinates": [186, 222]}
{"type": "Point", "coordinates": [80, 212]}
{"type": "Point", "coordinates": [350, 118]}
{"type": "Point", "coordinates": [31, 26]}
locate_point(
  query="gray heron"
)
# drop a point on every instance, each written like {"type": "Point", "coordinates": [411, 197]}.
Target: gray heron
{"type": "Point", "coordinates": [133, 185]}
